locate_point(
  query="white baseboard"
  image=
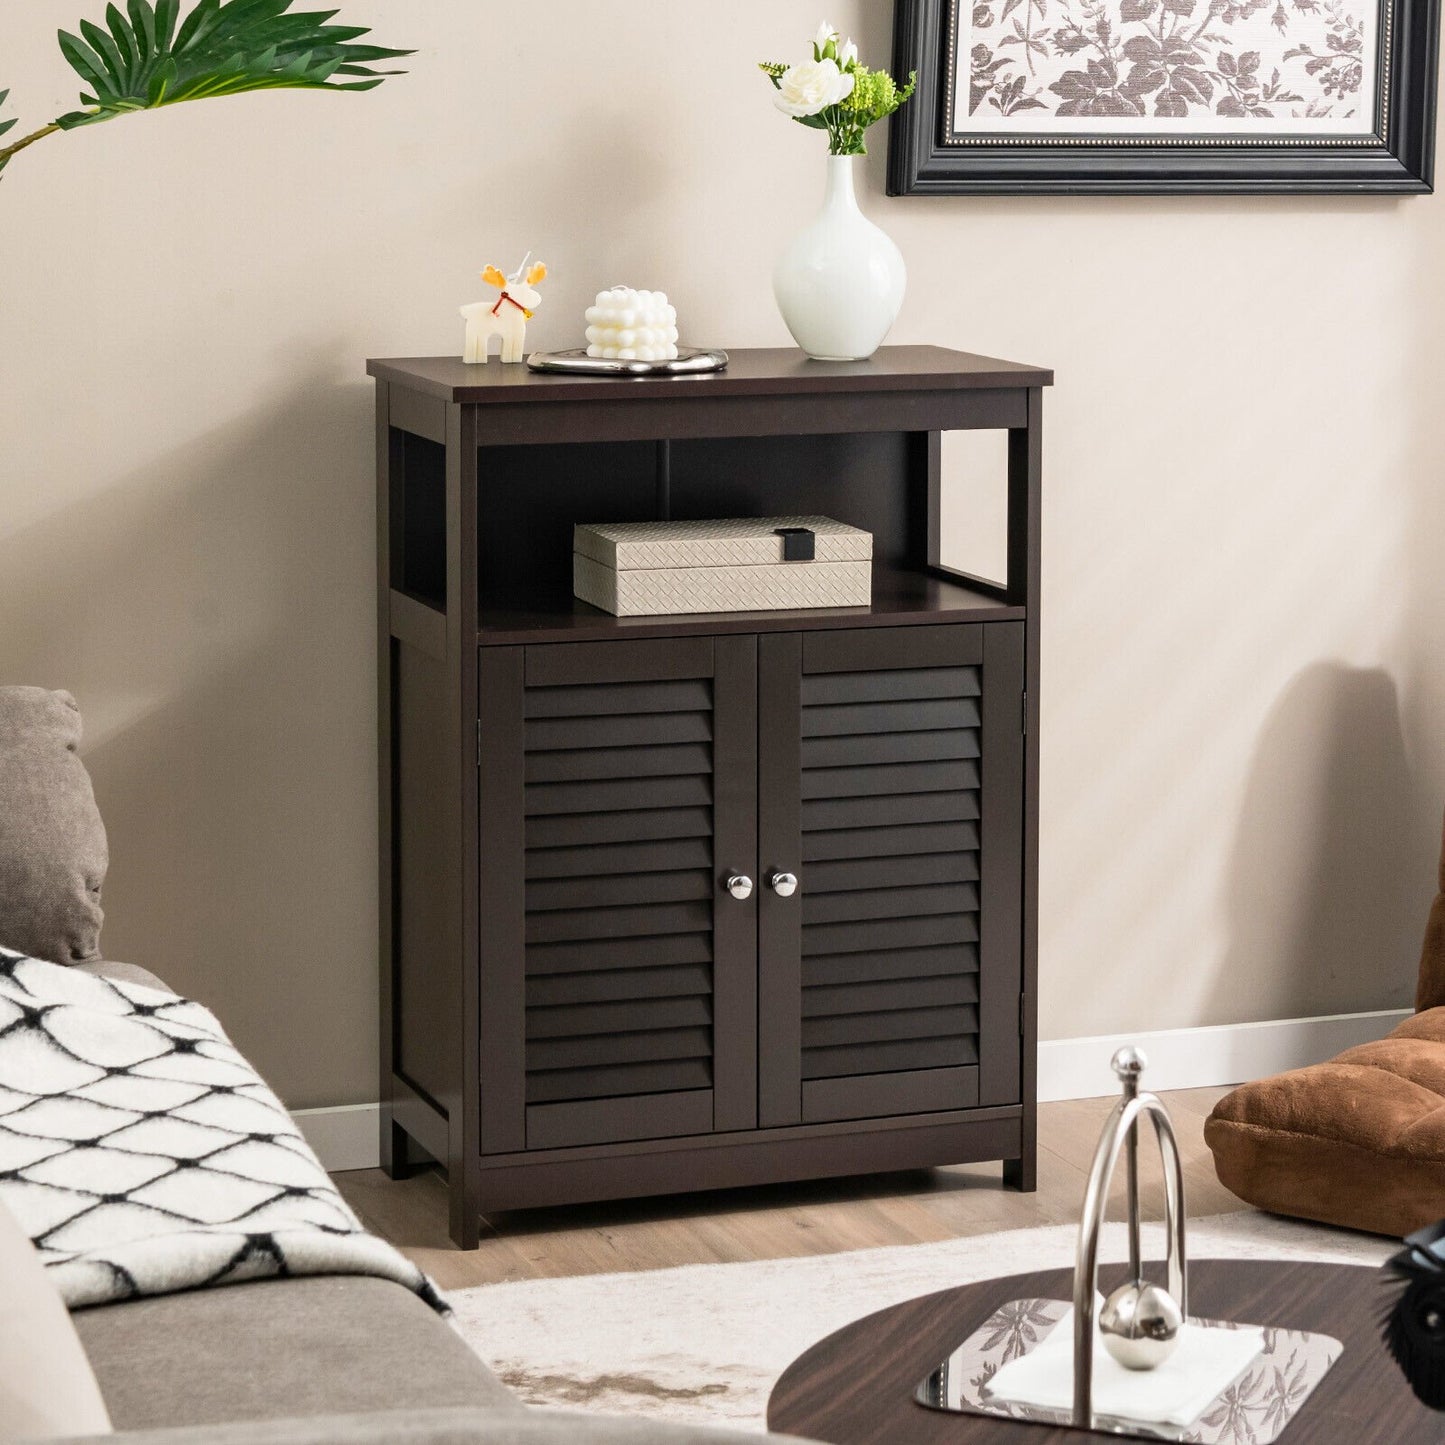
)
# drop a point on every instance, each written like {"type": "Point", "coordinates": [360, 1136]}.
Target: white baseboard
{"type": "Point", "coordinates": [1206, 1057]}
{"type": "Point", "coordinates": [347, 1137]}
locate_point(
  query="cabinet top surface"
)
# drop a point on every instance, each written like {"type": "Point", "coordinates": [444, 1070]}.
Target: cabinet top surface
{"type": "Point", "coordinates": [777, 372]}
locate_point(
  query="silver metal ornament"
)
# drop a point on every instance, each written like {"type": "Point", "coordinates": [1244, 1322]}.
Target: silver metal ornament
{"type": "Point", "coordinates": [1140, 1323]}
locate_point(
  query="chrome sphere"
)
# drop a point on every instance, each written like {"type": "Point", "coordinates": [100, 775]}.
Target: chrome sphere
{"type": "Point", "coordinates": [1140, 1323]}
{"type": "Point", "coordinates": [1129, 1062]}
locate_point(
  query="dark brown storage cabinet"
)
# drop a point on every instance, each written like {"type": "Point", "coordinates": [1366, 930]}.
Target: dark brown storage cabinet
{"type": "Point", "coordinates": [691, 902]}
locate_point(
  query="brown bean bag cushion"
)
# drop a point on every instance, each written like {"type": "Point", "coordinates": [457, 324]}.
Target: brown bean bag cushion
{"type": "Point", "coordinates": [52, 842]}
{"type": "Point", "coordinates": [1430, 991]}
{"type": "Point", "coordinates": [1359, 1141]}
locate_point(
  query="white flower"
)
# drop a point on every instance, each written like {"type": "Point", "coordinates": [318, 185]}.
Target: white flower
{"type": "Point", "coordinates": [824, 35]}
{"type": "Point", "coordinates": [811, 87]}
{"type": "Point", "coordinates": [848, 54]}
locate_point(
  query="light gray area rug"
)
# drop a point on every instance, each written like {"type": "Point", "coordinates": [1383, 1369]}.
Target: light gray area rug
{"type": "Point", "coordinates": [706, 1343]}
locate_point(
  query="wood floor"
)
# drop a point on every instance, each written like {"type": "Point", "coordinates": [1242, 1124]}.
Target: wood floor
{"type": "Point", "coordinates": [823, 1217]}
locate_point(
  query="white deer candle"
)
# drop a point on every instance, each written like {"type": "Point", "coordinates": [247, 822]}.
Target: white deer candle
{"type": "Point", "coordinates": [628, 325]}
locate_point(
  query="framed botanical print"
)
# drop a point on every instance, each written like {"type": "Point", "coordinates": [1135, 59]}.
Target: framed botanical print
{"type": "Point", "coordinates": [1119, 96]}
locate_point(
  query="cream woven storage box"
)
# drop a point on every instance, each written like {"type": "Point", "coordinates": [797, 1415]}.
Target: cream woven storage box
{"type": "Point", "coordinates": [747, 564]}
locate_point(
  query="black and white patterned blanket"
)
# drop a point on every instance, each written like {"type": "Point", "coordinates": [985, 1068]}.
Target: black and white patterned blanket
{"type": "Point", "coordinates": [143, 1154]}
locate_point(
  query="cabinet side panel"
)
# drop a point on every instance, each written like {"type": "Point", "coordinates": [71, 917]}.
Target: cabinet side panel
{"type": "Point", "coordinates": [391, 1142]}
{"type": "Point", "coordinates": [427, 1016]}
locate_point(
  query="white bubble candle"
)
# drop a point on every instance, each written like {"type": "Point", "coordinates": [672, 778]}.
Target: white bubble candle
{"type": "Point", "coordinates": [628, 325]}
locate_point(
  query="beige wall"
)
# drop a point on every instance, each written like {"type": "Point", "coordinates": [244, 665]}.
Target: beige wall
{"type": "Point", "coordinates": [1244, 686]}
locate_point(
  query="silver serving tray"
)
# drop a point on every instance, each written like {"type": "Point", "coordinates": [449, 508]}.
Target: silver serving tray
{"type": "Point", "coordinates": [1254, 1410]}
{"type": "Point", "coordinates": [690, 362]}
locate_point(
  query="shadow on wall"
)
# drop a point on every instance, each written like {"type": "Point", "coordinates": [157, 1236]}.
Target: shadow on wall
{"type": "Point", "coordinates": [1323, 898]}
{"type": "Point", "coordinates": [1422, 367]}
{"type": "Point", "coordinates": [214, 615]}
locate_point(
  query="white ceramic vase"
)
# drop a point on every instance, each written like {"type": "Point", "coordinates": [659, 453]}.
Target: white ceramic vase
{"type": "Point", "coordinates": [840, 285]}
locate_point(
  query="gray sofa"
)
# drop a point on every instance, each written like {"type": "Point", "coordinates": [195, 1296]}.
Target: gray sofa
{"type": "Point", "coordinates": [315, 1361]}
{"type": "Point", "coordinates": [292, 1361]}
{"type": "Point", "coordinates": [304, 1361]}
{"type": "Point", "coordinates": [442, 1427]}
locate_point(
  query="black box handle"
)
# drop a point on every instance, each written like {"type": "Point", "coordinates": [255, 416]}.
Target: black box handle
{"type": "Point", "coordinates": [800, 544]}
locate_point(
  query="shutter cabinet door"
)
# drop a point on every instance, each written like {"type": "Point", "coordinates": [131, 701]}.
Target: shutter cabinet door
{"type": "Point", "coordinates": [618, 975]}
{"type": "Point", "coordinates": [890, 784]}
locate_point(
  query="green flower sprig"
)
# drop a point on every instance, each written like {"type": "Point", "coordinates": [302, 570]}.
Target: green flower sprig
{"type": "Point", "coordinates": [837, 93]}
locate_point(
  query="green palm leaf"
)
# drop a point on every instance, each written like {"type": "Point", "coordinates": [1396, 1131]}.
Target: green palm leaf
{"type": "Point", "coordinates": [149, 57]}
{"type": "Point", "coordinates": [5, 125]}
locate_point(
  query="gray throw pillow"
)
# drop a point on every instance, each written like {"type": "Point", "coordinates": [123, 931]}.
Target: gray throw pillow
{"type": "Point", "coordinates": [53, 852]}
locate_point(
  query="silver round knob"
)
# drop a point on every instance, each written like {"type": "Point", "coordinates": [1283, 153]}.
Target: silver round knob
{"type": "Point", "coordinates": [740, 886]}
{"type": "Point", "coordinates": [1129, 1062]}
{"type": "Point", "coordinates": [783, 884]}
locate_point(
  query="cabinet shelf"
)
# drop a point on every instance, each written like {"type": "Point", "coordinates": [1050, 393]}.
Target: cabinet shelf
{"type": "Point", "coordinates": [900, 598]}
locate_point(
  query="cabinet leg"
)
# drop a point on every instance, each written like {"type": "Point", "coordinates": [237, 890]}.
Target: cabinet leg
{"type": "Point", "coordinates": [395, 1161]}
{"type": "Point", "coordinates": [465, 1223]}
{"type": "Point", "coordinates": [1022, 1174]}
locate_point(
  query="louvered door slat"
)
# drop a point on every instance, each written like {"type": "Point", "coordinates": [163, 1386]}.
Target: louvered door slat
{"type": "Point", "coordinates": [901, 872]}
{"type": "Point", "coordinates": [820, 689]}
{"type": "Point", "coordinates": [595, 861]}
{"type": "Point", "coordinates": [640, 698]}
{"type": "Point", "coordinates": [833, 814]}
{"type": "Point", "coordinates": [873, 718]}
{"type": "Point", "coordinates": [822, 844]}
{"type": "Point", "coordinates": [634, 785]}
{"type": "Point", "coordinates": [655, 1077]}
{"type": "Point", "coordinates": [688, 980]}
{"type": "Point", "coordinates": [869, 782]}
{"type": "Point", "coordinates": [885, 1026]}
{"type": "Point", "coordinates": [611, 890]}
{"type": "Point", "coordinates": [893, 739]}
{"type": "Point", "coordinates": [883, 996]}
{"type": "Point", "coordinates": [576, 924]}
{"type": "Point", "coordinates": [821, 970]}
{"type": "Point", "coordinates": [616, 953]}
{"type": "Point", "coordinates": [631, 825]}
{"type": "Point", "coordinates": [954, 899]}
{"type": "Point", "coordinates": [637, 1015]}
{"type": "Point", "coordinates": [618, 796]}
{"type": "Point", "coordinates": [626, 730]}
{"type": "Point", "coordinates": [894, 1056]}
{"type": "Point", "coordinates": [890, 933]}
{"type": "Point", "coordinates": [685, 760]}
{"type": "Point", "coordinates": [867, 751]}
{"type": "Point", "coordinates": [598, 1051]}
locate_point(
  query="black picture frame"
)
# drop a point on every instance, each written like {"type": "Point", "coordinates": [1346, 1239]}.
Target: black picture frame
{"type": "Point", "coordinates": [925, 159]}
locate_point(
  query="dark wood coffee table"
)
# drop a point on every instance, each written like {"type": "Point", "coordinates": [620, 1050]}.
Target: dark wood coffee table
{"type": "Point", "coordinates": [856, 1387]}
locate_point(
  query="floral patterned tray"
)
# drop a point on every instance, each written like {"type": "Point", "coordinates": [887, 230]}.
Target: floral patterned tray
{"type": "Point", "coordinates": [1253, 1411]}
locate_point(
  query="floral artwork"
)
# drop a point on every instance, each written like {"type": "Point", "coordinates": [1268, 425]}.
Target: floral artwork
{"type": "Point", "coordinates": [1162, 67]}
